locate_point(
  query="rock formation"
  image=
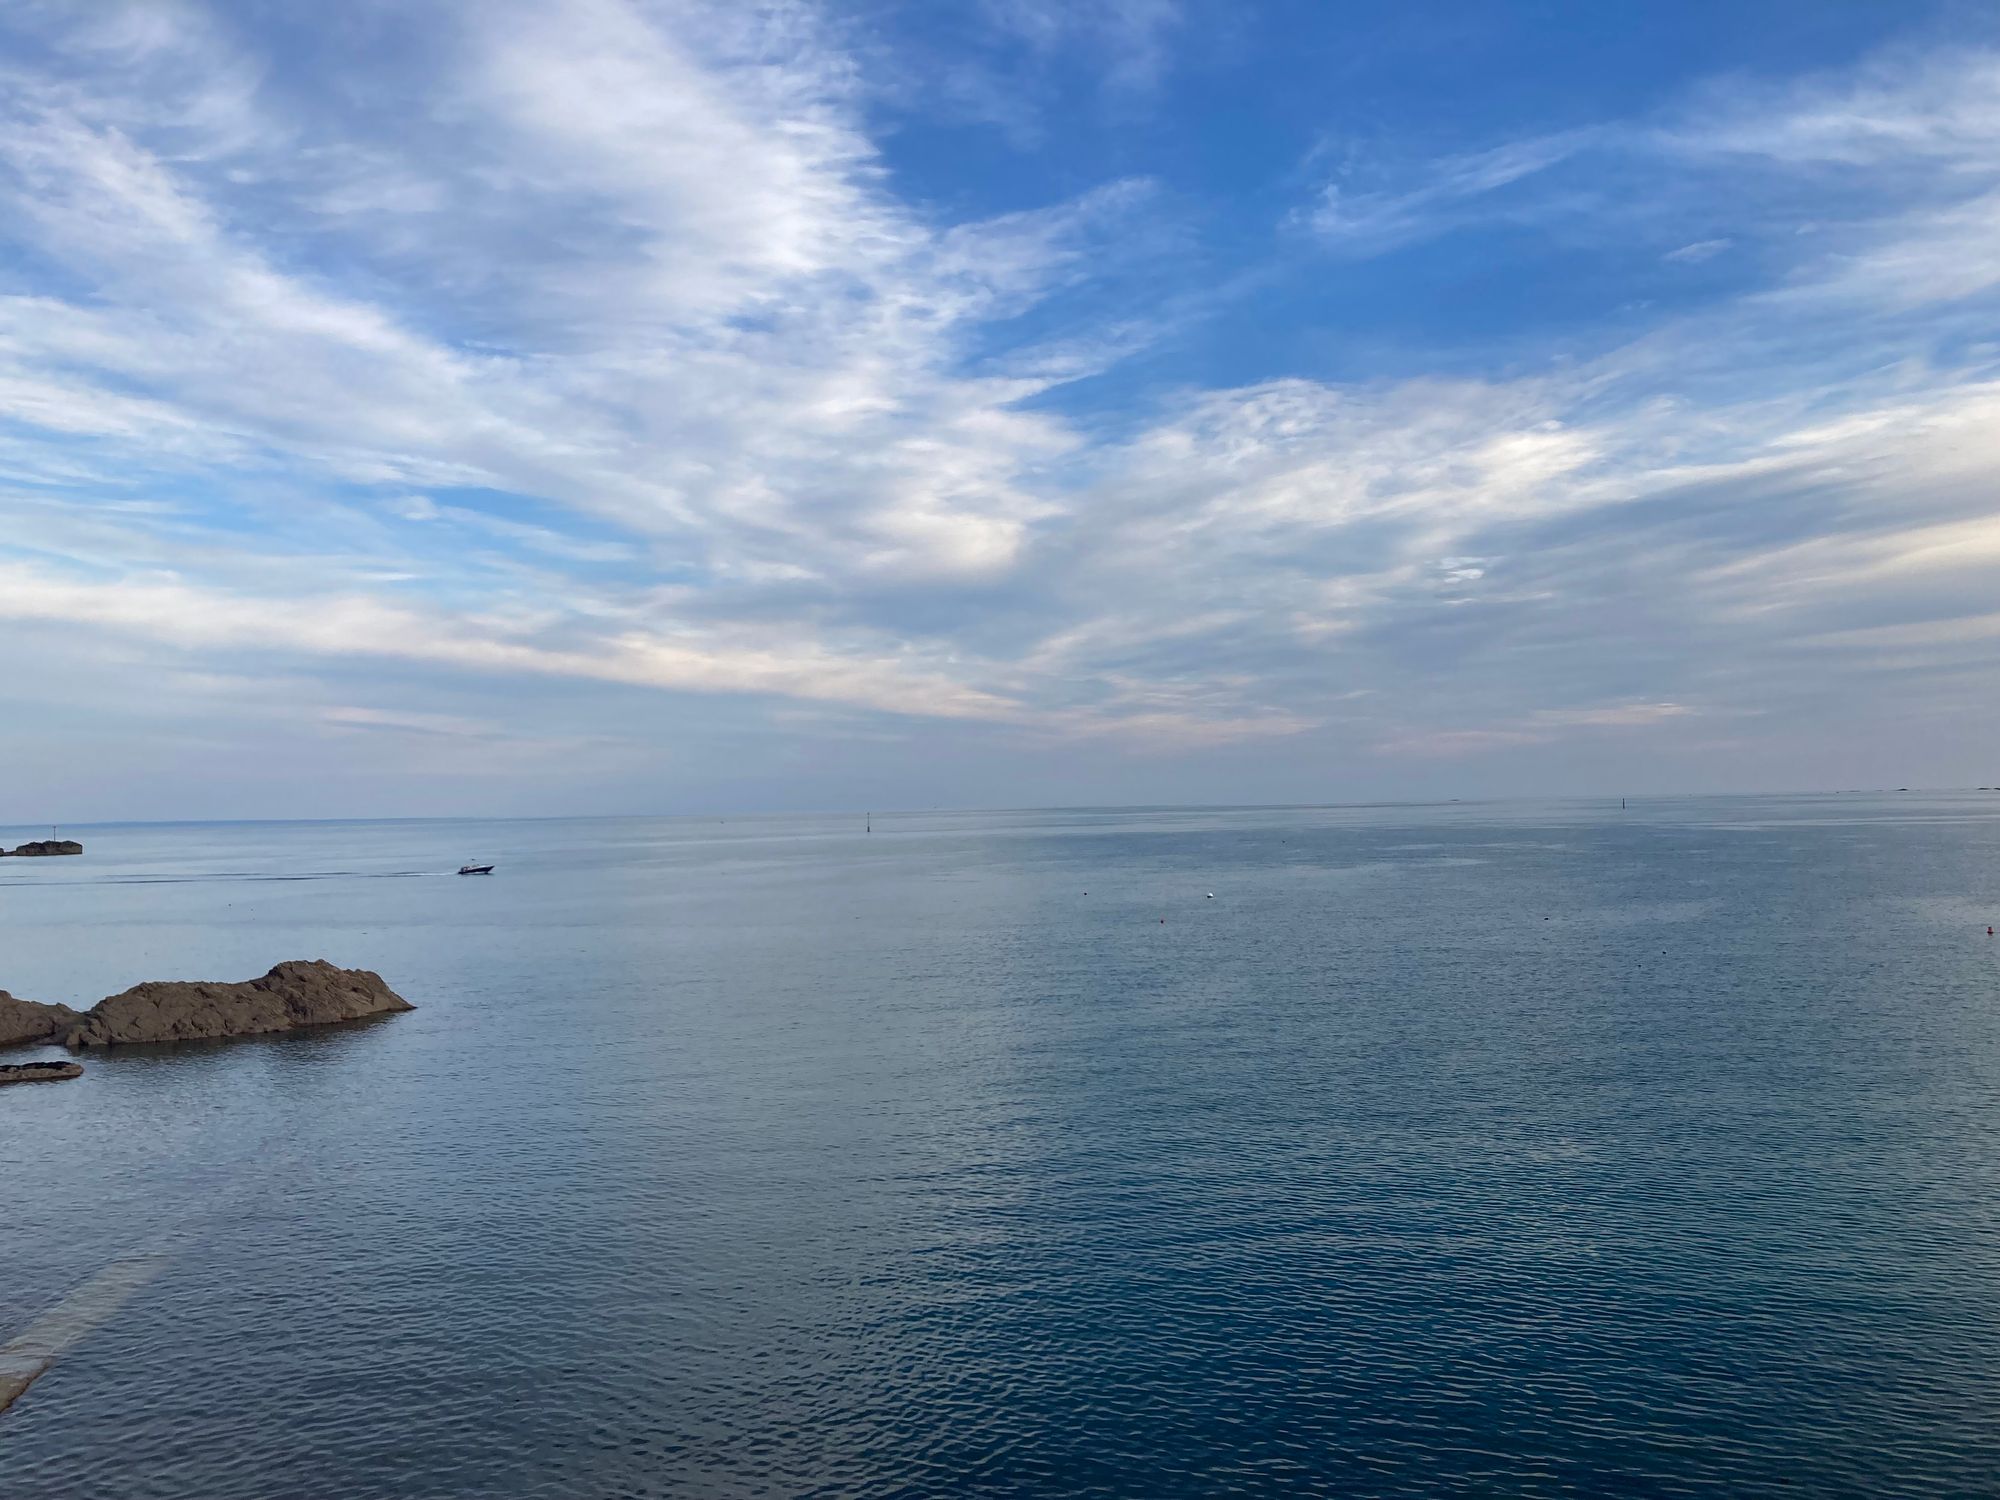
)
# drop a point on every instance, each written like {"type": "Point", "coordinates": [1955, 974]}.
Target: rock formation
{"type": "Point", "coordinates": [24, 1021]}
{"type": "Point", "coordinates": [307, 993]}
{"type": "Point", "coordinates": [48, 846]}
{"type": "Point", "coordinates": [48, 1072]}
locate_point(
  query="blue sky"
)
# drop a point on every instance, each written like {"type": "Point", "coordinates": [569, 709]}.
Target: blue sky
{"type": "Point", "coordinates": [608, 405]}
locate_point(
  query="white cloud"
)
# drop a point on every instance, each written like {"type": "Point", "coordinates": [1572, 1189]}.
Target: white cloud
{"type": "Point", "coordinates": [1543, 727]}
{"type": "Point", "coordinates": [451, 726]}
{"type": "Point", "coordinates": [745, 346]}
{"type": "Point", "coordinates": [198, 619]}
{"type": "Point", "coordinates": [1697, 252]}
{"type": "Point", "coordinates": [1132, 36]}
{"type": "Point", "coordinates": [1613, 716]}
{"type": "Point", "coordinates": [760, 427]}
{"type": "Point", "coordinates": [1899, 112]}
{"type": "Point", "coordinates": [1371, 222]}
{"type": "Point", "coordinates": [1938, 255]}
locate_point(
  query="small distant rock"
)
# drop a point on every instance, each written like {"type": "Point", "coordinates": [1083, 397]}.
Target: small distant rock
{"type": "Point", "coordinates": [304, 993]}
{"type": "Point", "coordinates": [25, 1021]}
{"type": "Point", "coordinates": [48, 1072]}
{"type": "Point", "coordinates": [48, 846]}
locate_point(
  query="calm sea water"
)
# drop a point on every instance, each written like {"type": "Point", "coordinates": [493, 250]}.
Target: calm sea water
{"type": "Point", "coordinates": [1481, 1149]}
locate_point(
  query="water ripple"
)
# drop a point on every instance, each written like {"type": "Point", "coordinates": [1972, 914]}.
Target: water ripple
{"type": "Point", "coordinates": [926, 1176]}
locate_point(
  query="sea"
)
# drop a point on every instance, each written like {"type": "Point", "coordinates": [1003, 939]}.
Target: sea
{"type": "Point", "coordinates": [1495, 1149]}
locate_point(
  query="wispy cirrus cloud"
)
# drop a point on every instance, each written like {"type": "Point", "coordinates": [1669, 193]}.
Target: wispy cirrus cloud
{"type": "Point", "coordinates": [1449, 193]}
{"type": "Point", "coordinates": [1698, 251]}
{"type": "Point", "coordinates": [597, 352]}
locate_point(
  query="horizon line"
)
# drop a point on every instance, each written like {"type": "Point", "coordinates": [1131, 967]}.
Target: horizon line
{"type": "Point", "coordinates": [1061, 807]}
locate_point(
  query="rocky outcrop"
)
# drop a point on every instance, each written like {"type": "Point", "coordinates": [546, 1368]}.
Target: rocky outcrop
{"type": "Point", "coordinates": [48, 846]}
{"type": "Point", "coordinates": [24, 1021]}
{"type": "Point", "coordinates": [49, 1072]}
{"type": "Point", "coordinates": [292, 995]}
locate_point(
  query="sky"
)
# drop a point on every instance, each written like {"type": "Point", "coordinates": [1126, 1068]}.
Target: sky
{"type": "Point", "coordinates": [430, 407]}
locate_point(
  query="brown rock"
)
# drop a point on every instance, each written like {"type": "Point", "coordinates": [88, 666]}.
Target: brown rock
{"type": "Point", "coordinates": [49, 1072]}
{"type": "Point", "coordinates": [296, 994]}
{"type": "Point", "coordinates": [49, 846]}
{"type": "Point", "coordinates": [24, 1021]}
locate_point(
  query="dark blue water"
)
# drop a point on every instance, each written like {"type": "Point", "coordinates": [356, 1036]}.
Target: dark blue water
{"type": "Point", "coordinates": [1478, 1150]}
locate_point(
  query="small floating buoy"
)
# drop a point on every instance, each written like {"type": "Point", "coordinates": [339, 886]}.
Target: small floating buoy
{"type": "Point", "coordinates": [1211, 895]}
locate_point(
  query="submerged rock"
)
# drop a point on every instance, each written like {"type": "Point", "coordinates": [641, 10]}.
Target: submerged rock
{"type": "Point", "coordinates": [49, 846]}
{"type": "Point", "coordinates": [48, 1072]}
{"type": "Point", "coordinates": [305, 993]}
{"type": "Point", "coordinates": [24, 1021]}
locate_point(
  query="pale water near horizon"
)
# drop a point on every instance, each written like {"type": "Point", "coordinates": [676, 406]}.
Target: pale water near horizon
{"type": "Point", "coordinates": [1497, 1149]}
